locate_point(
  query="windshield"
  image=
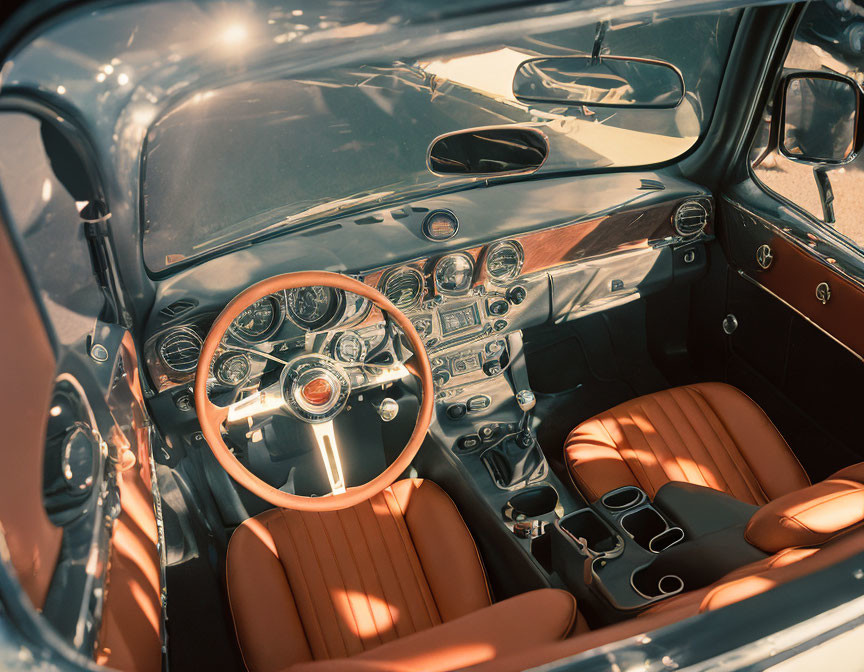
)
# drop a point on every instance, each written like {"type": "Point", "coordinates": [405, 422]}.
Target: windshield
{"type": "Point", "coordinates": [253, 157]}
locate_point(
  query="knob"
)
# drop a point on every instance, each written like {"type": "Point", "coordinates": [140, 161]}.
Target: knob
{"type": "Point", "coordinates": [492, 367]}
{"type": "Point", "coordinates": [526, 400]}
{"type": "Point", "coordinates": [440, 377]}
{"type": "Point", "coordinates": [388, 409]}
{"type": "Point", "coordinates": [499, 307]}
{"type": "Point", "coordinates": [517, 294]}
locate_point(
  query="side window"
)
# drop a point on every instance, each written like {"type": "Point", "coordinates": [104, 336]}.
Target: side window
{"type": "Point", "coordinates": [829, 38]}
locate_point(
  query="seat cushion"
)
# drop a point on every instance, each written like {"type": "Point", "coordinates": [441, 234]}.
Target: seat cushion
{"type": "Point", "coordinates": [313, 586]}
{"type": "Point", "coordinates": [518, 624]}
{"type": "Point", "coordinates": [709, 434]}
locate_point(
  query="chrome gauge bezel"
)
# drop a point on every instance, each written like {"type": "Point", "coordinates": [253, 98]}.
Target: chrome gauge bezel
{"type": "Point", "coordinates": [334, 311]}
{"type": "Point", "coordinates": [515, 272]}
{"type": "Point", "coordinates": [279, 304]}
{"type": "Point", "coordinates": [340, 338]}
{"type": "Point", "coordinates": [160, 349]}
{"type": "Point", "coordinates": [453, 292]}
{"type": "Point", "coordinates": [392, 273]}
{"type": "Point", "coordinates": [223, 359]}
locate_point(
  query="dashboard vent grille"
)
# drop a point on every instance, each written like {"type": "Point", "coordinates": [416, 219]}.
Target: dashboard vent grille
{"type": "Point", "coordinates": [691, 218]}
{"type": "Point", "coordinates": [177, 308]}
{"type": "Point", "coordinates": [180, 349]}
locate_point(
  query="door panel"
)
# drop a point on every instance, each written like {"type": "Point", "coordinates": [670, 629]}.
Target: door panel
{"type": "Point", "coordinates": [795, 269]}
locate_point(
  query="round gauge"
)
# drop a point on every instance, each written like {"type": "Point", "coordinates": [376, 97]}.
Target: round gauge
{"type": "Point", "coordinates": [440, 225]}
{"type": "Point", "coordinates": [259, 321]}
{"type": "Point", "coordinates": [311, 308]}
{"type": "Point", "coordinates": [349, 348]}
{"type": "Point", "coordinates": [180, 349]}
{"type": "Point", "coordinates": [504, 261]}
{"type": "Point", "coordinates": [232, 369]}
{"type": "Point", "coordinates": [404, 287]}
{"type": "Point", "coordinates": [454, 273]}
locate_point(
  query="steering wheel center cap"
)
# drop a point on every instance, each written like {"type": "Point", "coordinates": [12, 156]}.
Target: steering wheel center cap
{"type": "Point", "coordinates": [315, 387]}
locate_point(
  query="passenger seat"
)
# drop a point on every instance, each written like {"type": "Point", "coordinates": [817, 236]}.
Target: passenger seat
{"type": "Point", "coordinates": [708, 434]}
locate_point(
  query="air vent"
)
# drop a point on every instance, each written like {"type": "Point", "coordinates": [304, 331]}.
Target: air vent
{"type": "Point", "coordinates": [180, 349]}
{"type": "Point", "coordinates": [177, 308]}
{"type": "Point", "coordinates": [690, 218]}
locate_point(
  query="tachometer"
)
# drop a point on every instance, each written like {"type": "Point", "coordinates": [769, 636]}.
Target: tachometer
{"type": "Point", "coordinates": [232, 368]}
{"type": "Point", "coordinates": [312, 308]}
{"type": "Point", "coordinates": [259, 321]}
{"type": "Point", "coordinates": [454, 273]}
{"type": "Point", "coordinates": [404, 287]}
{"type": "Point", "coordinates": [504, 261]}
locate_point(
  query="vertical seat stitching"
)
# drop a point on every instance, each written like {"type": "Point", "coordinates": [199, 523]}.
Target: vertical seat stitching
{"type": "Point", "coordinates": [650, 447]}
{"type": "Point", "coordinates": [390, 607]}
{"type": "Point", "coordinates": [395, 572]}
{"type": "Point", "coordinates": [324, 581]}
{"type": "Point", "coordinates": [697, 395]}
{"type": "Point", "coordinates": [646, 484]}
{"type": "Point", "coordinates": [701, 440]}
{"type": "Point", "coordinates": [417, 567]}
{"type": "Point", "coordinates": [305, 583]}
{"type": "Point", "coordinates": [341, 576]}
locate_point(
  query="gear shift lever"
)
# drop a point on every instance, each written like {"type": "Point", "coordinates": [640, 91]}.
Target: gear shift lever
{"type": "Point", "coordinates": [526, 401]}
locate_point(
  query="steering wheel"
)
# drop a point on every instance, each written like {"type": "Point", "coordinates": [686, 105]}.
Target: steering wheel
{"type": "Point", "coordinates": [312, 388]}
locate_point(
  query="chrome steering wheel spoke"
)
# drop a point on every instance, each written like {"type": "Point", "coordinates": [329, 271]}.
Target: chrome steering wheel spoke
{"type": "Point", "coordinates": [325, 437]}
{"type": "Point", "coordinates": [268, 401]}
{"type": "Point", "coordinates": [367, 376]}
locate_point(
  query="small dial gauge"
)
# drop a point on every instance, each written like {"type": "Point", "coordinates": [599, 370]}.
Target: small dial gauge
{"type": "Point", "coordinates": [311, 307]}
{"type": "Point", "coordinates": [454, 273]}
{"type": "Point", "coordinates": [504, 261]}
{"type": "Point", "coordinates": [258, 321]}
{"type": "Point", "coordinates": [349, 348]}
{"type": "Point", "coordinates": [232, 369]}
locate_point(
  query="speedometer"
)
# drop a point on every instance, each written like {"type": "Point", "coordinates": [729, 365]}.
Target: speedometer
{"type": "Point", "coordinates": [504, 261]}
{"type": "Point", "coordinates": [454, 273]}
{"type": "Point", "coordinates": [312, 308]}
{"type": "Point", "coordinates": [259, 321]}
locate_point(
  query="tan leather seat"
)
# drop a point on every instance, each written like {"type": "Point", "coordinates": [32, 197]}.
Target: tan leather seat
{"type": "Point", "coordinates": [709, 434]}
{"type": "Point", "coordinates": [398, 575]}
{"type": "Point", "coordinates": [817, 527]}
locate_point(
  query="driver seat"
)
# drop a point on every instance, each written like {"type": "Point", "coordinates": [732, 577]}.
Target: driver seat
{"type": "Point", "coordinates": [398, 574]}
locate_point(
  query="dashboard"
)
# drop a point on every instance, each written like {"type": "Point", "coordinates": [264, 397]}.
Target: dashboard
{"type": "Point", "coordinates": [463, 302]}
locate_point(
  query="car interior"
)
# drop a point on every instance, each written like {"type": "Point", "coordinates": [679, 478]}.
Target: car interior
{"type": "Point", "coordinates": [328, 355]}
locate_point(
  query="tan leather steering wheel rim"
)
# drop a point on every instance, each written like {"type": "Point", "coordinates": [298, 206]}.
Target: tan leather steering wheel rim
{"type": "Point", "coordinates": [211, 416]}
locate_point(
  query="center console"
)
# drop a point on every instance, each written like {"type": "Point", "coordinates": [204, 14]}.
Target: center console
{"type": "Point", "coordinates": [619, 554]}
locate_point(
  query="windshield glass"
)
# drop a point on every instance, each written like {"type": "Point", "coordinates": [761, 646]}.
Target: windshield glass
{"type": "Point", "coordinates": [253, 157]}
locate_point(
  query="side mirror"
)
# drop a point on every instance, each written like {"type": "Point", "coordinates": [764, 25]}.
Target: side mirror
{"type": "Point", "coordinates": [820, 118]}
{"type": "Point", "coordinates": [607, 81]}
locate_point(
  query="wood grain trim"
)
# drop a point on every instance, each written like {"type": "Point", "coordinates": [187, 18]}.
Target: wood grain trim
{"type": "Point", "coordinates": [793, 276]}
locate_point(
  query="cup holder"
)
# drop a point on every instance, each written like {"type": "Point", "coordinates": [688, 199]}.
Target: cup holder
{"type": "Point", "coordinates": [531, 503]}
{"type": "Point", "coordinates": [666, 539]}
{"type": "Point", "coordinates": [651, 585]}
{"type": "Point", "coordinates": [586, 525]}
{"type": "Point", "coordinates": [623, 498]}
{"type": "Point", "coordinates": [650, 530]}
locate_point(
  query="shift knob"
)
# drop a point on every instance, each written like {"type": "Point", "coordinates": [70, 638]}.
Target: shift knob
{"type": "Point", "coordinates": [526, 400]}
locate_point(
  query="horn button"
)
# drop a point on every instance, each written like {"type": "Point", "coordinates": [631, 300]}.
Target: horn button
{"type": "Point", "coordinates": [316, 388]}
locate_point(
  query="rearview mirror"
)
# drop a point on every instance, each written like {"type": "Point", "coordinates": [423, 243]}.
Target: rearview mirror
{"type": "Point", "coordinates": [820, 118]}
{"type": "Point", "coordinates": [610, 81]}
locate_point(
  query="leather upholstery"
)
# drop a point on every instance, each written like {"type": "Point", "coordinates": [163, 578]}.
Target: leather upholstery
{"type": "Point", "coordinates": [520, 623]}
{"type": "Point", "coordinates": [708, 434]}
{"type": "Point", "coordinates": [812, 515]}
{"type": "Point", "coordinates": [27, 362]}
{"type": "Point", "coordinates": [316, 586]}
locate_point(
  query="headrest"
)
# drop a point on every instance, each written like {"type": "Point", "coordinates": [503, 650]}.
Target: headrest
{"type": "Point", "coordinates": [810, 516]}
